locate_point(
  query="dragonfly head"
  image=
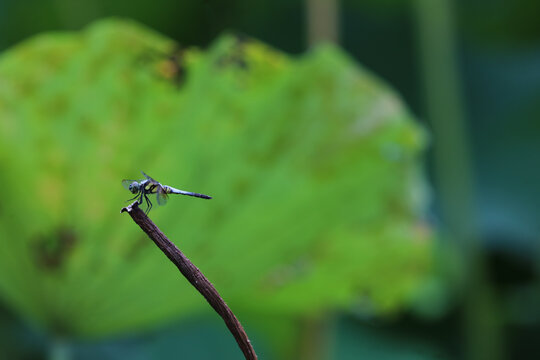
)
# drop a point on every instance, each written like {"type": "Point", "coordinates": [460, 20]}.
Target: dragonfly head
{"type": "Point", "coordinates": [134, 187]}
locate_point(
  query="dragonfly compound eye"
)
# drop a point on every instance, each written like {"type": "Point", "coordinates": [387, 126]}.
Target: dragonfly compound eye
{"type": "Point", "coordinates": [134, 187]}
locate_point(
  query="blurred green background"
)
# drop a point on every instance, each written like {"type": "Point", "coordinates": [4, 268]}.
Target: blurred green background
{"type": "Point", "coordinates": [373, 165]}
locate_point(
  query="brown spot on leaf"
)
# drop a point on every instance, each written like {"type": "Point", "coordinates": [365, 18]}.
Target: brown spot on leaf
{"type": "Point", "coordinates": [51, 250]}
{"type": "Point", "coordinates": [236, 56]}
{"type": "Point", "coordinates": [173, 66]}
{"type": "Point", "coordinates": [169, 65]}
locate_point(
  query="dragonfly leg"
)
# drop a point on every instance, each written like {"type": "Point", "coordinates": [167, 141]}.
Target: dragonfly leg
{"type": "Point", "coordinates": [140, 200]}
{"type": "Point", "coordinates": [133, 198]}
{"type": "Point", "coordinates": [149, 204]}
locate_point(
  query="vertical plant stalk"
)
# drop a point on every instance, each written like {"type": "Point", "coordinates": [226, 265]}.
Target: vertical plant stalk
{"type": "Point", "coordinates": [445, 113]}
{"type": "Point", "coordinates": [453, 171]}
{"type": "Point", "coordinates": [322, 21]}
{"type": "Point", "coordinates": [194, 276]}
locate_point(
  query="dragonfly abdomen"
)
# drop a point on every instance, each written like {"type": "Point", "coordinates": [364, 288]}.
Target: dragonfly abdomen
{"type": "Point", "coordinates": [171, 190]}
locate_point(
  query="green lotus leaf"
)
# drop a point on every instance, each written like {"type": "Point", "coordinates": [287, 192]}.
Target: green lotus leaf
{"type": "Point", "coordinates": [313, 164]}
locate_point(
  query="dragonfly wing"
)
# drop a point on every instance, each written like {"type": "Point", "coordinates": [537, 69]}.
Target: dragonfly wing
{"type": "Point", "coordinates": [161, 195]}
{"type": "Point", "coordinates": [149, 178]}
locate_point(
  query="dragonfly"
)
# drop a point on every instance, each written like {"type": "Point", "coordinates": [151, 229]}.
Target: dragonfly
{"type": "Point", "coordinates": [147, 186]}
